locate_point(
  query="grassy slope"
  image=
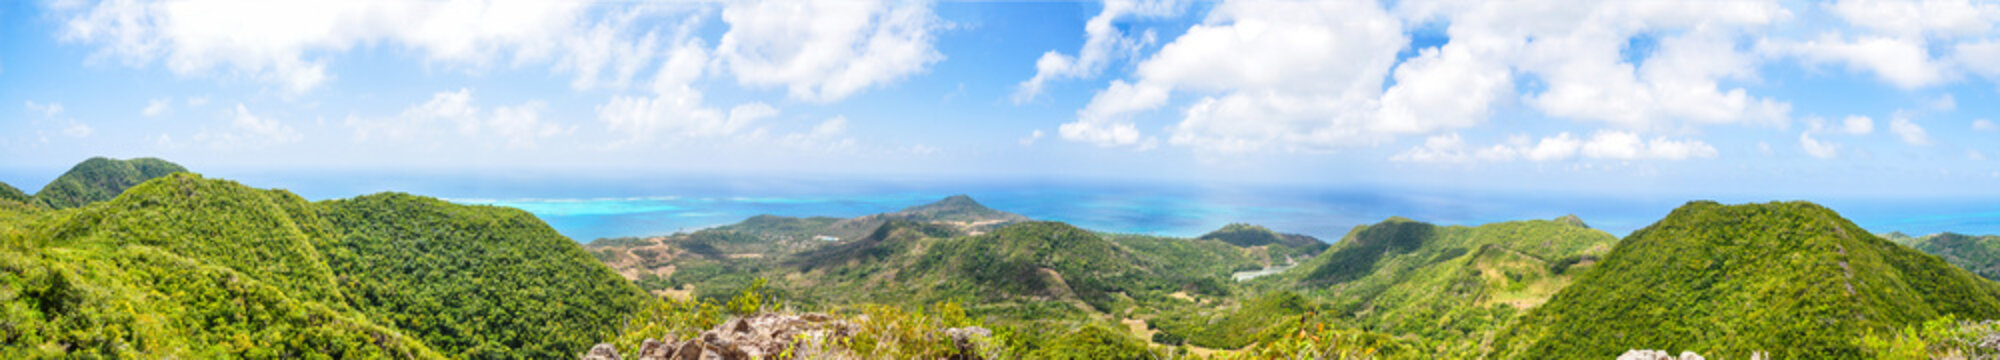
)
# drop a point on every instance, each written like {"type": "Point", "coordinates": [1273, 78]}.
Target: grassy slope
{"type": "Point", "coordinates": [1728, 280]}
{"type": "Point", "coordinates": [100, 179]}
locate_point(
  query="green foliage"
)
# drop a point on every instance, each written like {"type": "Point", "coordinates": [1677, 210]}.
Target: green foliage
{"type": "Point", "coordinates": [1941, 338]}
{"type": "Point", "coordinates": [1793, 279]}
{"type": "Point", "coordinates": [749, 301]}
{"type": "Point", "coordinates": [1979, 254]}
{"type": "Point", "coordinates": [1038, 259]}
{"type": "Point", "coordinates": [100, 179]}
{"type": "Point", "coordinates": [1247, 235]}
{"type": "Point", "coordinates": [473, 281]}
{"type": "Point", "coordinates": [9, 193]}
{"type": "Point", "coordinates": [1237, 328]}
{"type": "Point", "coordinates": [1093, 341]}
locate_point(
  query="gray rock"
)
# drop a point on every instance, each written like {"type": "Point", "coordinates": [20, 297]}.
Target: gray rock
{"type": "Point", "coordinates": [601, 352]}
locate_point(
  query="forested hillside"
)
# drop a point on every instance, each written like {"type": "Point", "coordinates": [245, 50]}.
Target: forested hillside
{"type": "Point", "coordinates": [9, 193]}
{"type": "Point", "coordinates": [1792, 279]}
{"type": "Point", "coordinates": [1447, 286]}
{"type": "Point", "coordinates": [100, 179]}
{"type": "Point", "coordinates": [182, 266]}
{"type": "Point", "coordinates": [1979, 254]}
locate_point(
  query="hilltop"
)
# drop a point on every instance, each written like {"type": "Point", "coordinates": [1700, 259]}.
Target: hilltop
{"type": "Point", "coordinates": [100, 179]}
{"type": "Point", "coordinates": [1280, 245]}
{"type": "Point", "coordinates": [183, 266]}
{"type": "Point", "coordinates": [1793, 279]}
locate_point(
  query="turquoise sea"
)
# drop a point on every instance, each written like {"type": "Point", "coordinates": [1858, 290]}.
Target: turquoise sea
{"type": "Point", "coordinates": [615, 206]}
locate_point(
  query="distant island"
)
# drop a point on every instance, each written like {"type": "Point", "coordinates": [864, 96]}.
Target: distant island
{"type": "Point", "coordinates": [142, 258]}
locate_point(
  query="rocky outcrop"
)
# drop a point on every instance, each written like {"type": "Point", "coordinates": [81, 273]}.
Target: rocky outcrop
{"type": "Point", "coordinates": [769, 336]}
{"type": "Point", "coordinates": [1685, 355]}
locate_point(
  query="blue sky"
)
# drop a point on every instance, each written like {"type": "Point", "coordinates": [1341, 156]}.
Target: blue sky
{"type": "Point", "coordinates": [1786, 99]}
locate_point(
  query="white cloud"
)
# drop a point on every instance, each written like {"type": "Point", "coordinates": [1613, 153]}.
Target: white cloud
{"type": "Point", "coordinates": [249, 130]}
{"type": "Point", "coordinates": [1284, 75]}
{"type": "Point", "coordinates": [46, 110]}
{"type": "Point", "coordinates": [676, 109]}
{"type": "Point", "coordinates": [1979, 57]}
{"type": "Point", "coordinates": [1975, 155]}
{"type": "Point", "coordinates": [1858, 125]}
{"type": "Point", "coordinates": [1909, 131]}
{"type": "Point", "coordinates": [1103, 43]}
{"type": "Point", "coordinates": [1911, 18]}
{"type": "Point", "coordinates": [1603, 145]}
{"type": "Point", "coordinates": [290, 43]}
{"type": "Point", "coordinates": [1984, 125]}
{"type": "Point", "coordinates": [1309, 76]}
{"type": "Point", "coordinates": [827, 50]}
{"type": "Point", "coordinates": [1903, 62]}
{"type": "Point", "coordinates": [1031, 138]}
{"type": "Point", "coordinates": [1105, 121]}
{"type": "Point", "coordinates": [1816, 148]}
{"type": "Point", "coordinates": [520, 126]}
{"type": "Point", "coordinates": [156, 107]}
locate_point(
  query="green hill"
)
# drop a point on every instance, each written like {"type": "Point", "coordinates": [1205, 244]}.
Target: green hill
{"type": "Point", "coordinates": [1452, 285]}
{"type": "Point", "coordinates": [182, 266]}
{"type": "Point", "coordinates": [9, 193]}
{"type": "Point", "coordinates": [473, 281]}
{"type": "Point", "coordinates": [1979, 254]}
{"type": "Point", "coordinates": [1247, 235]}
{"type": "Point", "coordinates": [1793, 279]}
{"type": "Point", "coordinates": [100, 179]}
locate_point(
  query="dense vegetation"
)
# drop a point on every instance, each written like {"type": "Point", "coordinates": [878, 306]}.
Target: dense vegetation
{"type": "Point", "coordinates": [1791, 279]}
{"type": "Point", "coordinates": [473, 281]}
{"type": "Point", "coordinates": [1447, 288]}
{"type": "Point", "coordinates": [100, 179]}
{"type": "Point", "coordinates": [1980, 254]}
{"type": "Point", "coordinates": [1280, 246]}
{"type": "Point", "coordinates": [182, 266]}
{"type": "Point", "coordinates": [9, 193]}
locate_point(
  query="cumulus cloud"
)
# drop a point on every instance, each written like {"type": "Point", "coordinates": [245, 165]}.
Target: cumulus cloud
{"type": "Point", "coordinates": [287, 43]}
{"type": "Point", "coordinates": [1817, 148]}
{"type": "Point", "coordinates": [1602, 145]}
{"type": "Point", "coordinates": [676, 109]}
{"type": "Point", "coordinates": [1286, 74]}
{"type": "Point", "coordinates": [827, 50]}
{"type": "Point", "coordinates": [1310, 76]}
{"type": "Point", "coordinates": [1909, 131]}
{"type": "Point", "coordinates": [1984, 125]}
{"type": "Point", "coordinates": [156, 107]}
{"type": "Point", "coordinates": [1103, 43]}
{"type": "Point", "coordinates": [1903, 62]}
{"type": "Point", "coordinates": [519, 126]}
